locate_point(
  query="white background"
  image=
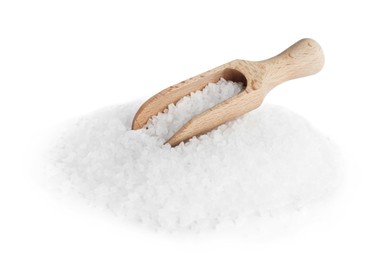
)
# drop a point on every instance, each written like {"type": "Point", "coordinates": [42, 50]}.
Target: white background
{"type": "Point", "coordinates": [62, 59]}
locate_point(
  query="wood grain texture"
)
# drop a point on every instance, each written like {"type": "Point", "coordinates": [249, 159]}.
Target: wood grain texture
{"type": "Point", "coordinates": [303, 58]}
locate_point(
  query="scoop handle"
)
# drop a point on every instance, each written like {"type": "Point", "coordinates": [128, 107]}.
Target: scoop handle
{"type": "Point", "coordinates": [303, 58]}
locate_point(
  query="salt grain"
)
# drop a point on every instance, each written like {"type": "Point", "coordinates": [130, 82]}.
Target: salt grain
{"type": "Point", "coordinates": [268, 161]}
{"type": "Point", "coordinates": [164, 125]}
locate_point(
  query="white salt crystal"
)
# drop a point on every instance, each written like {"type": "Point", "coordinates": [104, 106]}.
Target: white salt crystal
{"type": "Point", "coordinates": [264, 163]}
{"type": "Point", "coordinates": [163, 126]}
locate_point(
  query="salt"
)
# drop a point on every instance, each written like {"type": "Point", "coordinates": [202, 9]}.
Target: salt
{"type": "Point", "coordinates": [165, 124]}
{"type": "Point", "coordinates": [269, 161]}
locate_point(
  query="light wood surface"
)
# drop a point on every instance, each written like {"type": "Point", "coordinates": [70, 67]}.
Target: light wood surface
{"type": "Point", "coordinates": [303, 58]}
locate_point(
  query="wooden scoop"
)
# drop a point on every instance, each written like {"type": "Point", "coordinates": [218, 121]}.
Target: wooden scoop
{"type": "Point", "coordinates": [303, 58]}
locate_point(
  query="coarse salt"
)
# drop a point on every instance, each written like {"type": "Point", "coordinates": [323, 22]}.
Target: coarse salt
{"type": "Point", "coordinates": [267, 161]}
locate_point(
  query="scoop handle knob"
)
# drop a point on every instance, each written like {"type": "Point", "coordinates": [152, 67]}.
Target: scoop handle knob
{"type": "Point", "coordinates": [304, 58]}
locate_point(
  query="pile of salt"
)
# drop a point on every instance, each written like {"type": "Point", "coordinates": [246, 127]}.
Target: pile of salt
{"type": "Point", "coordinates": [268, 161]}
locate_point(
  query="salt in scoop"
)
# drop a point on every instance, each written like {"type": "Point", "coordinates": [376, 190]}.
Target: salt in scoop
{"type": "Point", "coordinates": [303, 58]}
